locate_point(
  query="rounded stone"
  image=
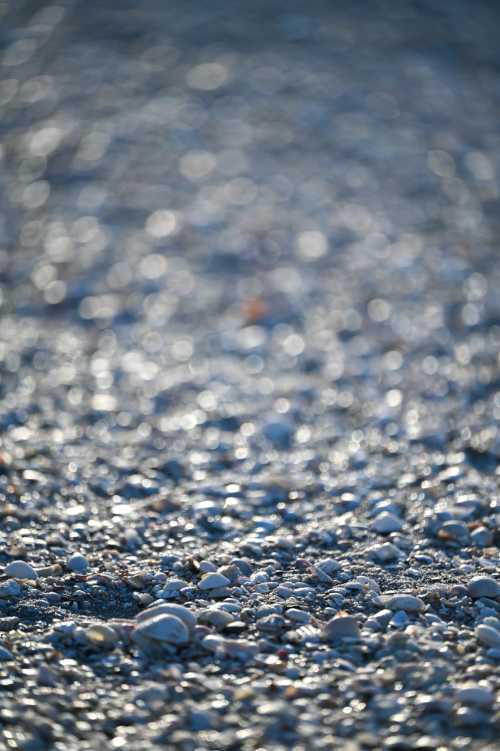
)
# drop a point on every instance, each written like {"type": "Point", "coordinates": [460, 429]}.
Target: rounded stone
{"type": "Point", "coordinates": [78, 563]}
{"type": "Point", "coordinates": [215, 617]}
{"type": "Point", "coordinates": [488, 636]}
{"type": "Point", "coordinates": [476, 695]}
{"type": "Point", "coordinates": [386, 523]}
{"type": "Point", "coordinates": [20, 570]}
{"type": "Point", "coordinates": [483, 586]}
{"type": "Point", "coordinates": [386, 552]}
{"type": "Point", "coordinates": [163, 628]}
{"type": "Point", "coordinates": [179, 611]}
{"type": "Point", "coordinates": [101, 636]}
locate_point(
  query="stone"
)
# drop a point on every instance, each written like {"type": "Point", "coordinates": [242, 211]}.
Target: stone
{"type": "Point", "coordinates": [20, 570]}
{"type": "Point", "coordinates": [385, 523]}
{"type": "Point", "coordinates": [385, 553]}
{"type": "Point", "coordinates": [215, 617]}
{"type": "Point", "coordinates": [213, 580]}
{"type": "Point", "coordinates": [5, 654]}
{"type": "Point", "coordinates": [161, 628]}
{"type": "Point", "coordinates": [298, 616]}
{"type": "Point", "coordinates": [488, 636]}
{"type": "Point", "coordinates": [341, 627]}
{"type": "Point", "coordinates": [408, 603]}
{"type": "Point", "coordinates": [10, 588]}
{"type": "Point", "coordinates": [78, 563]}
{"type": "Point", "coordinates": [101, 636]}
{"type": "Point", "coordinates": [483, 586]}
{"type": "Point", "coordinates": [179, 611]}
{"type": "Point", "coordinates": [479, 695]}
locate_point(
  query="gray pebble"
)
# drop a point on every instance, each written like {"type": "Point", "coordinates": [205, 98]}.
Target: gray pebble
{"type": "Point", "coordinates": [409, 603]}
{"type": "Point", "coordinates": [386, 523]}
{"type": "Point", "coordinates": [483, 586]}
{"type": "Point", "coordinates": [179, 611]}
{"type": "Point", "coordinates": [20, 570]}
{"type": "Point", "coordinates": [78, 563]}
{"type": "Point", "coordinates": [213, 580]}
{"type": "Point", "coordinates": [488, 635]}
{"type": "Point", "coordinates": [161, 628]}
{"type": "Point", "coordinates": [341, 627]}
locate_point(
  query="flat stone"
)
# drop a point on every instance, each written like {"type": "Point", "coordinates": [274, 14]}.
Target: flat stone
{"type": "Point", "coordinates": [20, 570]}
{"type": "Point", "coordinates": [213, 580]}
{"type": "Point", "coordinates": [409, 603]}
{"type": "Point", "coordinates": [488, 636]}
{"type": "Point", "coordinates": [483, 586]}
{"type": "Point", "coordinates": [341, 627]}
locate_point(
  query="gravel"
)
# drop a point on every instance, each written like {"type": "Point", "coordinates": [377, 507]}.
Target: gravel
{"type": "Point", "coordinates": [249, 392]}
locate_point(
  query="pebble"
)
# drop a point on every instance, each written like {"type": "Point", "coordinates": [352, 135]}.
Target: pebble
{"type": "Point", "coordinates": [215, 617]}
{"type": "Point", "coordinates": [483, 586]}
{"type": "Point", "coordinates": [329, 566]}
{"type": "Point", "coordinates": [399, 619]}
{"type": "Point", "coordinates": [233, 648]}
{"type": "Point", "coordinates": [386, 523]}
{"type": "Point", "coordinates": [341, 627]}
{"type": "Point", "coordinates": [5, 654]}
{"type": "Point", "coordinates": [409, 603]}
{"type": "Point", "coordinates": [297, 615]}
{"type": "Point", "coordinates": [476, 694]}
{"type": "Point", "coordinates": [488, 636]}
{"type": "Point", "coordinates": [20, 570]}
{"type": "Point", "coordinates": [101, 636]}
{"type": "Point", "coordinates": [453, 530]}
{"type": "Point", "coordinates": [78, 563]}
{"type": "Point", "coordinates": [213, 580]}
{"type": "Point", "coordinates": [179, 611]}
{"type": "Point", "coordinates": [161, 628]}
{"type": "Point", "coordinates": [386, 552]}
{"type": "Point", "coordinates": [10, 588]}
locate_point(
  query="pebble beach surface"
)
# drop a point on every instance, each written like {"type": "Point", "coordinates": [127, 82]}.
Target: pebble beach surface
{"type": "Point", "coordinates": [250, 391]}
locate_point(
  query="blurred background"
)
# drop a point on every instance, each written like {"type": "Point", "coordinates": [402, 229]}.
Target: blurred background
{"type": "Point", "coordinates": [250, 192]}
